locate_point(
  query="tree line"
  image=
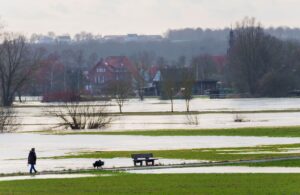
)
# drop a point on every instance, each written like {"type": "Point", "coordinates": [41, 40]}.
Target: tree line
{"type": "Point", "coordinates": [257, 64]}
{"type": "Point", "coordinates": [260, 64]}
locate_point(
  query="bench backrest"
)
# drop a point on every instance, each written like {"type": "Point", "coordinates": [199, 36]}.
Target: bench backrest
{"type": "Point", "coordinates": [136, 156]}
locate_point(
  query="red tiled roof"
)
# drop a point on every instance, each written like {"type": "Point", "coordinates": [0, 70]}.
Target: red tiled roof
{"type": "Point", "coordinates": [114, 62]}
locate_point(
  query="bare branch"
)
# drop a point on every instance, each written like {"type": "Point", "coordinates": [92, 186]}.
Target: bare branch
{"type": "Point", "coordinates": [76, 116]}
{"type": "Point", "coordinates": [8, 120]}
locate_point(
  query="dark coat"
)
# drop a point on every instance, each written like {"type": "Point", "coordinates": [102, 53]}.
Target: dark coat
{"type": "Point", "coordinates": [32, 158]}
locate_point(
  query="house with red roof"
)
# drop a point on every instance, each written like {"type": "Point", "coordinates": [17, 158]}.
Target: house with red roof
{"type": "Point", "coordinates": [110, 69]}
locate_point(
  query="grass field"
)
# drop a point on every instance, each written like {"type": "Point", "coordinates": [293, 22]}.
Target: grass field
{"type": "Point", "coordinates": [282, 163]}
{"type": "Point", "coordinates": [255, 131]}
{"type": "Point", "coordinates": [216, 154]}
{"type": "Point", "coordinates": [222, 184]}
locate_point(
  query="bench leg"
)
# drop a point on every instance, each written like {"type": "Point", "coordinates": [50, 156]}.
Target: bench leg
{"type": "Point", "coordinates": [150, 163]}
{"type": "Point", "coordinates": [136, 163]}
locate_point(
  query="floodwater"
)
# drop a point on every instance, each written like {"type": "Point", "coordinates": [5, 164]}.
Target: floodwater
{"type": "Point", "coordinates": [14, 148]}
{"type": "Point", "coordinates": [219, 169]}
{"type": "Point", "coordinates": [198, 104]}
{"type": "Point", "coordinates": [205, 104]}
{"type": "Point", "coordinates": [16, 145]}
{"type": "Point", "coordinates": [33, 115]}
{"type": "Point", "coordinates": [154, 122]}
{"type": "Point", "coordinates": [205, 121]}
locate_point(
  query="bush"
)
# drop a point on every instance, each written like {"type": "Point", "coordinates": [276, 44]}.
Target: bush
{"type": "Point", "coordinates": [77, 116]}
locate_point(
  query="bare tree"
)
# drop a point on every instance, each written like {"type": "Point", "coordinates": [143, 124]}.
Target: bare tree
{"type": "Point", "coordinates": [76, 116]}
{"type": "Point", "coordinates": [140, 85]}
{"type": "Point", "coordinates": [77, 61]}
{"type": "Point", "coordinates": [187, 88]}
{"type": "Point", "coordinates": [140, 81]}
{"type": "Point", "coordinates": [169, 87]}
{"type": "Point", "coordinates": [17, 63]}
{"type": "Point", "coordinates": [142, 61]}
{"type": "Point", "coordinates": [204, 67]}
{"type": "Point", "coordinates": [120, 90]}
{"type": "Point", "coordinates": [8, 120]}
{"type": "Point", "coordinates": [252, 55]}
{"type": "Point", "coordinates": [192, 119]}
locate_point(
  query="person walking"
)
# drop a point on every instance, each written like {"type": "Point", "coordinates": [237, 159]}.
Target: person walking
{"type": "Point", "coordinates": [32, 160]}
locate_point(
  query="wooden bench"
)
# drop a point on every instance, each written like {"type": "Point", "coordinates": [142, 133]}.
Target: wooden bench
{"type": "Point", "coordinates": [139, 158]}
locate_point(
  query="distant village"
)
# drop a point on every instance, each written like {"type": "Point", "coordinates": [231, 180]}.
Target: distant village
{"type": "Point", "coordinates": [201, 61]}
{"type": "Point", "coordinates": [121, 68]}
{"type": "Point", "coordinates": [52, 39]}
{"type": "Point", "coordinates": [98, 79]}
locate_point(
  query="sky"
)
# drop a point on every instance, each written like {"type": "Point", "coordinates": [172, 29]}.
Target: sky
{"type": "Point", "coordinates": [140, 16]}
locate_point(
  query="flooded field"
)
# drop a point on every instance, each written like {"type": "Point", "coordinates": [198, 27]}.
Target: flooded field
{"type": "Point", "coordinates": [205, 104]}
{"type": "Point", "coordinates": [16, 145]}
{"type": "Point", "coordinates": [14, 148]}
{"type": "Point", "coordinates": [33, 115]}
{"type": "Point", "coordinates": [154, 122]}
{"type": "Point", "coordinates": [198, 104]}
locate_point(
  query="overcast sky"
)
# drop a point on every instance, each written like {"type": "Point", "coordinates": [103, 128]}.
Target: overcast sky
{"type": "Point", "coordinates": [140, 16]}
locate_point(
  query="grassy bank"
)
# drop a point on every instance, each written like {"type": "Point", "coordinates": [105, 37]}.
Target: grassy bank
{"type": "Point", "coordinates": [219, 154]}
{"type": "Point", "coordinates": [282, 163]}
{"type": "Point", "coordinates": [161, 184]}
{"type": "Point", "coordinates": [253, 131]}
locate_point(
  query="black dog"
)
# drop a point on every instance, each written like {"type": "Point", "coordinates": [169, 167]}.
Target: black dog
{"type": "Point", "coordinates": [98, 163]}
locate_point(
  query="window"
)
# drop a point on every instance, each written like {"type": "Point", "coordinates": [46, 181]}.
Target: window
{"type": "Point", "coordinates": [100, 69]}
{"type": "Point", "coordinates": [100, 79]}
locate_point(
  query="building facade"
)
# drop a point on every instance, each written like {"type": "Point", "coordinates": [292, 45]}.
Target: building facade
{"type": "Point", "coordinates": [108, 70]}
